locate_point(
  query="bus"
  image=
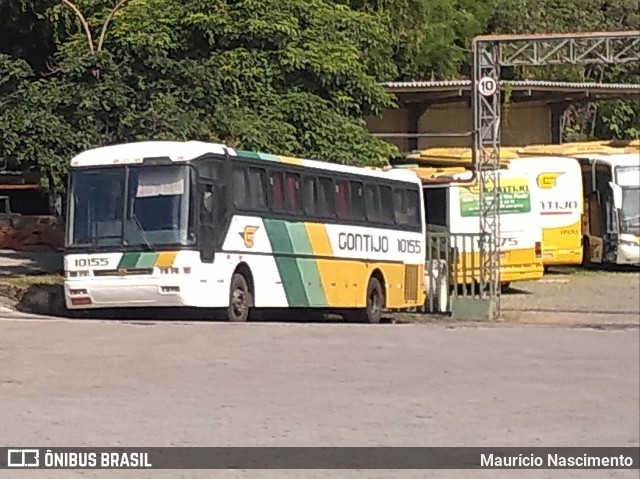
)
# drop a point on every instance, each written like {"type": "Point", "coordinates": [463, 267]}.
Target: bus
{"type": "Point", "coordinates": [453, 208]}
{"type": "Point", "coordinates": [610, 180]}
{"type": "Point", "coordinates": [194, 224]}
{"type": "Point", "coordinates": [611, 223]}
{"type": "Point", "coordinates": [557, 180]}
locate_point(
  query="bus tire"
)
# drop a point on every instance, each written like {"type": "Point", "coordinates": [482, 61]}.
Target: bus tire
{"type": "Point", "coordinates": [372, 312]}
{"type": "Point", "coordinates": [239, 299]}
{"type": "Point", "coordinates": [586, 254]}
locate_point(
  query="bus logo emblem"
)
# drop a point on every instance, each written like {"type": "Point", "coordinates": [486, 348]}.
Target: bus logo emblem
{"type": "Point", "coordinates": [248, 235]}
{"type": "Point", "coordinates": [548, 180]}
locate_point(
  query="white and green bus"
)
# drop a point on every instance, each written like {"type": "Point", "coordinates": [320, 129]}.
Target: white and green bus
{"type": "Point", "coordinates": [171, 224]}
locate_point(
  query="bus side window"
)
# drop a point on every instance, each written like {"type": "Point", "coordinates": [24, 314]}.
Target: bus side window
{"type": "Point", "coordinates": [256, 191]}
{"type": "Point", "coordinates": [310, 196]}
{"type": "Point", "coordinates": [342, 205]}
{"type": "Point", "coordinates": [207, 200]}
{"type": "Point", "coordinates": [325, 206]}
{"type": "Point", "coordinates": [413, 207]}
{"type": "Point", "coordinates": [399, 207]}
{"type": "Point", "coordinates": [293, 192]}
{"type": "Point", "coordinates": [239, 182]}
{"type": "Point", "coordinates": [372, 203]}
{"type": "Point", "coordinates": [435, 200]}
{"type": "Point", "coordinates": [386, 204]}
{"type": "Point", "coordinates": [356, 196]}
{"type": "Point", "coordinates": [277, 192]}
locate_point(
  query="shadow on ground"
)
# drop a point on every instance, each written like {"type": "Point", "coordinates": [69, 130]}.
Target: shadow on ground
{"type": "Point", "coordinates": [16, 263]}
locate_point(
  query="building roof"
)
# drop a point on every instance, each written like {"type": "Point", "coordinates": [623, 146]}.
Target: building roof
{"type": "Point", "coordinates": [450, 91]}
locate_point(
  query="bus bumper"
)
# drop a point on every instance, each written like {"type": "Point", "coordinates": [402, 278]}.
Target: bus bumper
{"type": "Point", "coordinates": [628, 254]}
{"type": "Point", "coordinates": [521, 273]}
{"type": "Point", "coordinates": [562, 258]}
{"type": "Point", "coordinates": [135, 293]}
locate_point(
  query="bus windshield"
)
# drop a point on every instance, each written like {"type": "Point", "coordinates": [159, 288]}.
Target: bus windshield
{"type": "Point", "coordinates": [630, 211]}
{"type": "Point", "coordinates": [628, 178]}
{"type": "Point", "coordinates": [138, 206]}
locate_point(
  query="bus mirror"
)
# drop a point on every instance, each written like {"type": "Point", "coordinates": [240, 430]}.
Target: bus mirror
{"type": "Point", "coordinates": [617, 194]}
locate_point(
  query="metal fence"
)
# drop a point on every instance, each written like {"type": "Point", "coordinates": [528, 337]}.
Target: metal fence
{"type": "Point", "coordinates": [452, 270]}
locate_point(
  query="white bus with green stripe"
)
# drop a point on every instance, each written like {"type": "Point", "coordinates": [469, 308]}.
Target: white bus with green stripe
{"type": "Point", "coordinates": [172, 224]}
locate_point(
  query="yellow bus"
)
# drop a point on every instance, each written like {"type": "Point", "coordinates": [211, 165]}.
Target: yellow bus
{"type": "Point", "coordinates": [558, 180]}
{"type": "Point", "coordinates": [454, 208]}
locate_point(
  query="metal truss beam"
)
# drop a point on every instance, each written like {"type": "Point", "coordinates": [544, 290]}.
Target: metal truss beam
{"type": "Point", "coordinates": [571, 49]}
{"type": "Point", "coordinates": [490, 53]}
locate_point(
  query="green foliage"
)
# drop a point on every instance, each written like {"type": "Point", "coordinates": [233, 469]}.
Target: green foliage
{"type": "Point", "coordinates": [292, 77]}
{"type": "Point", "coordinates": [617, 119]}
{"type": "Point", "coordinates": [432, 37]}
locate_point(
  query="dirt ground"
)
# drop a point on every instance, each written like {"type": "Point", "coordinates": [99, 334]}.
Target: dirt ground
{"type": "Point", "coordinates": [576, 296]}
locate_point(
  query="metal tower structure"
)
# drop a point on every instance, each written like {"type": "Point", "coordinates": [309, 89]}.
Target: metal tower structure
{"type": "Point", "coordinates": [492, 52]}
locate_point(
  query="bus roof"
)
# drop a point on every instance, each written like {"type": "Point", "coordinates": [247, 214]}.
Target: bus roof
{"type": "Point", "coordinates": [178, 151]}
{"type": "Point", "coordinates": [567, 149]}
{"type": "Point", "coordinates": [619, 159]}
{"type": "Point", "coordinates": [444, 157]}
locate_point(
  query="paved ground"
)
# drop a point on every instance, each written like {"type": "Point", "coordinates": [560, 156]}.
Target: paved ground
{"type": "Point", "coordinates": [146, 383]}
{"type": "Point", "coordinates": [76, 383]}
{"type": "Point", "coordinates": [14, 263]}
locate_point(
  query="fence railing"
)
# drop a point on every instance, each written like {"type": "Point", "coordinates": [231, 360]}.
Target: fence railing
{"type": "Point", "coordinates": [453, 269]}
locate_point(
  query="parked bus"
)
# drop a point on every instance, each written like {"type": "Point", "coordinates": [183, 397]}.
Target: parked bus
{"type": "Point", "coordinates": [611, 184]}
{"type": "Point", "coordinates": [557, 180]}
{"type": "Point", "coordinates": [203, 225]}
{"type": "Point", "coordinates": [454, 208]}
{"type": "Point", "coordinates": [557, 183]}
{"type": "Point", "coordinates": [611, 223]}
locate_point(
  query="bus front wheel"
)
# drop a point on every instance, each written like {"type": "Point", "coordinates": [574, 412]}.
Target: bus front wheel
{"type": "Point", "coordinates": [239, 299]}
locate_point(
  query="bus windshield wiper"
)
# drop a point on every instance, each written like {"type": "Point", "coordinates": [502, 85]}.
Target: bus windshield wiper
{"type": "Point", "coordinates": [144, 233]}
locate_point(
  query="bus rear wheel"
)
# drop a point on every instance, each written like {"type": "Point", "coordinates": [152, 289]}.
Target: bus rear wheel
{"type": "Point", "coordinates": [375, 302]}
{"type": "Point", "coordinates": [239, 299]}
{"type": "Point", "coordinates": [586, 254]}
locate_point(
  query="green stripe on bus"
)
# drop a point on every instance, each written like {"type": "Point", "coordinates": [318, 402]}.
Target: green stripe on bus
{"type": "Point", "coordinates": [288, 268]}
{"type": "Point", "coordinates": [307, 266]}
{"type": "Point", "coordinates": [128, 260]}
{"type": "Point", "coordinates": [147, 260]}
{"type": "Point", "coordinates": [248, 154]}
{"type": "Point", "coordinates": [268, 157]}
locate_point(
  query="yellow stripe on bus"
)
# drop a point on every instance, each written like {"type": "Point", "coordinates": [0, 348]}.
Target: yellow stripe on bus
{"type": "Point", "coordinates": [291, 160]}
{"type": "Point", "coordinates": [166, 259]}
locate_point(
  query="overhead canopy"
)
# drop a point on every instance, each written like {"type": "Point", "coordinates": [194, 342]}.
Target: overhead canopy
{"type": "Point", "coordinates": [451, 91]}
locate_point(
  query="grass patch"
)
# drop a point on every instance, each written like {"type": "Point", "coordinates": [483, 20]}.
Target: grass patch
{"type": "Point", "coordinates": [24, 282]}
{"type": "Point", "coordinates": [15, 287]}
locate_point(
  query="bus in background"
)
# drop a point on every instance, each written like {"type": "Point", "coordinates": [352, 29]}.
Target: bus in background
{"type": "Point", "coordinates": [454, 208]}
{"type": "Point", "coordinates": [557, 178]}
{"type": "Point", "coordinates": [611, 183]}
{"type": "Point", "coordinates": [166, 224]}
{"type": "Point", "coordinates": [557, 183]}
{"type": "Point", "coordinates": [611, 223]}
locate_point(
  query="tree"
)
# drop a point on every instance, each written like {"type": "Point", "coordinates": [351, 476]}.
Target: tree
{"type": "Point", "coordinates": [432, 37]}
{"type": "Point", "coordinates": [616, 119]}
{"type": "Point", "coordinates": [291, 77]}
